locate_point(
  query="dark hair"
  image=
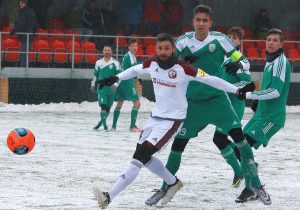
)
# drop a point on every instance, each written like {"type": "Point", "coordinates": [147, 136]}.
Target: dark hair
{"type": "Point", "coordinates": [165, 37]}
{"type": "Point", "coordinates": [236, 31]}
{"type": "Point", "coordinates": [203, 9]}
{"type": "Point", "coordinates": [131, 41]}
{"type": "Point", "coordinates": [107, 45]}
{"type": "Point", "coordinates": [276, 31]}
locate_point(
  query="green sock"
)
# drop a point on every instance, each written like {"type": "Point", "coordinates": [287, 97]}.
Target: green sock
{"type": "Point", "coordinates": [116, 116]}
{"type": "Point", "coordinates": [173, 164]}
{"type": "Point", "coordinates": [134, 113]}
{"type": "Point", "coordinates": [248, 162]}
{"type": "Point", "coordinates": [229, 155]}
{"type": "Point", "coordinates": [248, 181]}
{"type": "Point", "coordinates": [103, 118]}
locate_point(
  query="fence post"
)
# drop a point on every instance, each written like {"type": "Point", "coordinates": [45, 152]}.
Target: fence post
{"type": "Point", "coordinates": [27, 54]}
{"type": "Point", "coordinates": [1, 54]}
{"type": "Point", "coordinates": [73, 50]}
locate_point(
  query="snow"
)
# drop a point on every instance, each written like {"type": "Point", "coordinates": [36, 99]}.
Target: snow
{"type": "Point", "coordinates": [69, 159]}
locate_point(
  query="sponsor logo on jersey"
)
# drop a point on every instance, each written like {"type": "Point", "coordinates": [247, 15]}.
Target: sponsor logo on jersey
{"type": "Point", "coordinates": [235, 123]}
{"type": "Point", "coordinates": [201, 73]}
{"type": "Point", "coordinates": [212, 47]}
{"type": "Point", "coordinates": [163, 82]}
{"type": "Point", "coordinates": [110, 66]}
{"type": "Point", "coordinates": [172, 74]}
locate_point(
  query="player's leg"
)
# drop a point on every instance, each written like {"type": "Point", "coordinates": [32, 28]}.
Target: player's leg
{"type": "Point", "coordinates": [192, 125]}
{"type": "Point", "coordinates": [224, 145]}
{"type": "Point", "coordinates": [134, 113]}
{"type": "Point", "coordinates": [249, 164]}
{"type": "Point", "coordinates": [101, 100]}
{"type": "Point", "coordinates": [116, 114]}
{"type": "Point", "coordinates": [143, 156]}
{"type": "Point", "coordinates": [104, 110]}
{"type": "Point", "coordinates": [258, 132]}
{"type": "Point", "coordinates": [224, 117]}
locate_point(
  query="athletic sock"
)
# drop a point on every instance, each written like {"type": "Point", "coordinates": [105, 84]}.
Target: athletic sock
{"type": "Point", "coordinates": [248, 162]}
{"type": "Point", "coordinates": [173, 164]}
{"type": "Point", "coordinates": [134, 113]}
{"type": "Point", "coordinates": [236, 150]}
{"type": "Point", "coordinates": [157, 167]}
{"type": "Point", "coordinates": [103, 118]}
{"type": "Point", "coordinates": [229, 155]}
{"type": "Point", "coordinates": [116, 116]}
{"type": "Point", "coordinates": [126, 178]}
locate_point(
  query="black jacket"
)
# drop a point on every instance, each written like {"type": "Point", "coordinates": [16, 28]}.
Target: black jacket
{"type": "Point", "coordinates": [27, 22]}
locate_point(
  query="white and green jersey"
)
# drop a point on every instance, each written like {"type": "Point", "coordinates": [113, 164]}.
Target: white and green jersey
{"type": "Point", "coordinates": [241, 78]}
{"type": "Point", "coordinates": [274, 91]}
{"type": "Point", "coordinates": [129, 60]}
{"type": "Point", "coordinates": [211, 53]}
{"type": "Point", "coordinates": [105, 69]}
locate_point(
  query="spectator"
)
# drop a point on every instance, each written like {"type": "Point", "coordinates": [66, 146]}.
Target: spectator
{"type": "Point", "coordinates": [133, 13]}
{"type": "Point", "coordinates": [73, 20]}
{"type": "Point", "coordinates": [109, 16]}
{"type": "Point", "coordinates": [262, 24]}
{"type": "Point", "coordinates": [27, 23]}
{"type": "Point", "coordinates": [12, 13]}
{"type": "Point", "coordinates": [153, 10]}
{"type": "Point", "coordinates": [40, 6]}
{"type": "Point", "coordinates": [172, 16]}
{"type": "Point", "coordinates": [93, 18]}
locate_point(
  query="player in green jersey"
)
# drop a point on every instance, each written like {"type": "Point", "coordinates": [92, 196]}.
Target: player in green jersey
{"type": "Point", "coordinates": [105, 67]}
{"type": "Point", "coordinates": [126, 89]}
{"type": "Point", "coordinates": [270, 115]}
{"type": "Point", "coordinates": [207, 105]}
{"type": "Point", "coordinates": [236, 72]}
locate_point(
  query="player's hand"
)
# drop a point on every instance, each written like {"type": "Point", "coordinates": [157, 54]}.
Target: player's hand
{"type": "Point", "coordinates": [254, 105]}
{"type": "Point", "coordinates": [107, 81]}
{"type": "Point", "coordinates": [93, 89]}
{"type": "Point", "coordinates": [191, 58]}
{"type": "Point", "coordinates": [233, 67]}
{"type": "Point", "coordinates": [241, 93]}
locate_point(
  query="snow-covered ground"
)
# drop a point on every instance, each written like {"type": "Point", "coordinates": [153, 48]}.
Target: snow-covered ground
{"type": "Point", "coordinates": [69, 159]}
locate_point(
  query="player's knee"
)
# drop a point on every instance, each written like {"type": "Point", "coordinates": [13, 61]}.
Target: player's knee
{"type": "Point", "coordinates": [136, 104]}
{"type": "Point", "coordinates": [144, 152]}
{"type": "Point", "coordinates": [237, 134]}
{"type": "Point", "coordinates": [104, 107]}
{"type": "Point", "coordinates": [220, 140]}
{"type": "Point", "coordinates": [179, 144]}
{"type": "Point", "coordinates": [250, 140]}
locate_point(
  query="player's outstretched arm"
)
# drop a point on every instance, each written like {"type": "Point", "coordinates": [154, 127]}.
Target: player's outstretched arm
{"type": "Point", "coordinates": [217, 83]}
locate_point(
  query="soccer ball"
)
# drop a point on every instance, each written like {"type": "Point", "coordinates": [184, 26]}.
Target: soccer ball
{"type": "Point", "coordinates": [20, 141]}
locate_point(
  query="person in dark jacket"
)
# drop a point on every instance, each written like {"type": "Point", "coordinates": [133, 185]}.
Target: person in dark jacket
{"type": "Point", "coordinates": [27, 23]}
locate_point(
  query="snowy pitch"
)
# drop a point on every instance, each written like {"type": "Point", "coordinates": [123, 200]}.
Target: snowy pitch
{"type": "Point", "coordinates": [69, 159]}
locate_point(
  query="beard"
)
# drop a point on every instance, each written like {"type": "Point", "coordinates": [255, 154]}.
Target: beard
{"type": "Point", "coordinates": [167, 63]}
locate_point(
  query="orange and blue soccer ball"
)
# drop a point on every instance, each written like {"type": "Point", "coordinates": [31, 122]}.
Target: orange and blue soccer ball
{"type": "Point", "coordinates": [20, 141]}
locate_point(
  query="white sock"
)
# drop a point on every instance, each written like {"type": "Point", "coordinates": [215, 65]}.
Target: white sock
{"type": "Point", "coordinates": [158, 168]}
{"type": "Point", "coordinates": [126, 178]}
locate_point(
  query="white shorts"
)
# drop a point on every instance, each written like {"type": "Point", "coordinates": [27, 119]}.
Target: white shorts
{"type": "Point", "coordinates": [159, 132]}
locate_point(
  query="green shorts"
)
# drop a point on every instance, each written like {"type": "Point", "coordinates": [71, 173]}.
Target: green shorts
{"type": "Point", "coordinates": [106, 99]}
{"type": "Point", "coordinates": [261, 130]}
{"type": "Point", "coordinates": [217, 111]}
{"type": "Point", "coordinates": [126, 94]}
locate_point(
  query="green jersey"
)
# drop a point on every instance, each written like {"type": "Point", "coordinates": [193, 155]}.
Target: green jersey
{"type": "Point", "coordinates": [274, 91]}
{"type": "Point", "coordinates": [128, 61]}
{"type": "Point", "coordinates": [210, 53]}
{"type": "Point", "coordinates": [241, 78]}
{"type": "Point", "coordinates": [105, 69]}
